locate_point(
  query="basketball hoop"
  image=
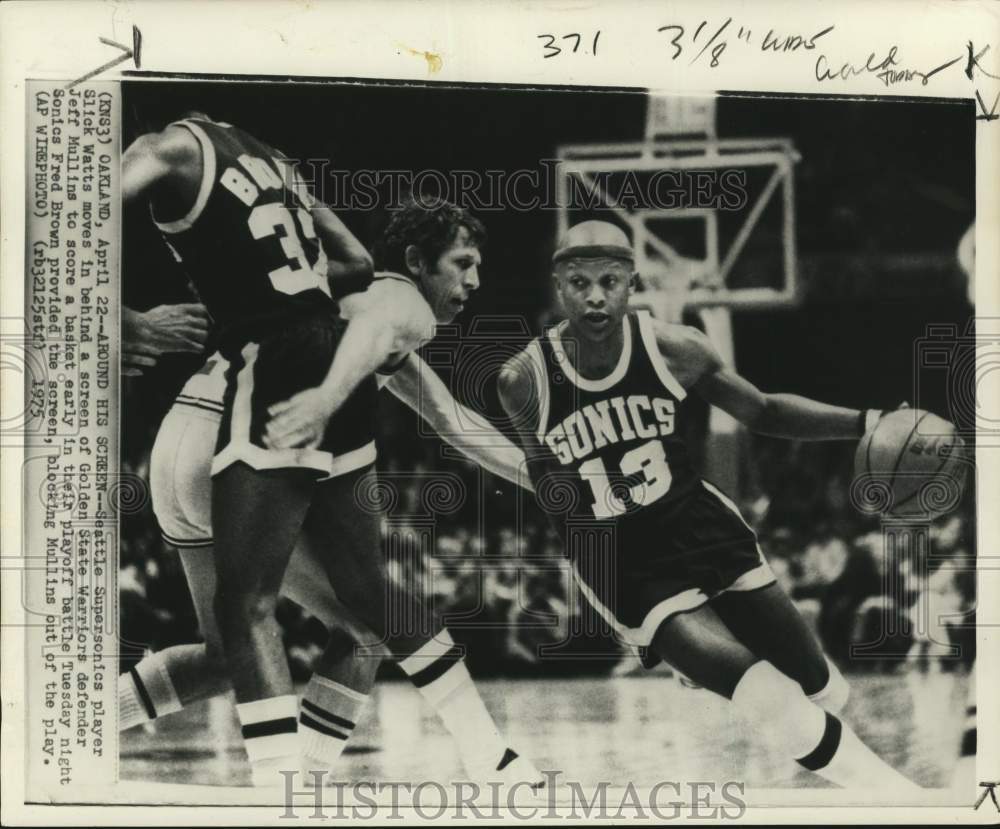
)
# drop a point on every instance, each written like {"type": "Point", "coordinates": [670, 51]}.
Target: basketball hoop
{"type": "Point", "coordinates": [681, 138]}
{"type": "Point", "coordinates": [687, 256]}
{"type": "Point", "coordinates": [672, 117]}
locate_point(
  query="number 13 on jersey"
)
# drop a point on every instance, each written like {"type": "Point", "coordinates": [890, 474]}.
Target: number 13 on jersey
{"type": "Point", "coordinates": [647, 460]}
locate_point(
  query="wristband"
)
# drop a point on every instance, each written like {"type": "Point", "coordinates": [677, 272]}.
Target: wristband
{"type": "Point", "coordinates": [867, 418]}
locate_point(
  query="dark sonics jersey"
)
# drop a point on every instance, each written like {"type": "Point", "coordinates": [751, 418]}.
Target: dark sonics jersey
{"type": "Point", "coordinates": [611, 448]}
{"type": "Point", "coordinates": [248, 243]}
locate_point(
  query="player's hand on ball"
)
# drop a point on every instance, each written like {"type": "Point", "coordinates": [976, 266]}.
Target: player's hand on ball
{"type": "Point", "coordinates": [872, 417]}
{"type": "Point", "coordinates": [913, 463]}
{"type": "Point", "coordinates": [299, 422]}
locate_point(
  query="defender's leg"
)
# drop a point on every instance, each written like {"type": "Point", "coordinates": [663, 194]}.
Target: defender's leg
{"type": "Point", "coordinates": [401, 622]}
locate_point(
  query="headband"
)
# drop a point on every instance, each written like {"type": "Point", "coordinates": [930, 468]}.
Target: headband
{"type": "Point", "coordinates": [592, 252]}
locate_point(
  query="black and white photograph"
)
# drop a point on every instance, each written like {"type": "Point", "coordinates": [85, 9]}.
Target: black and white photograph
{"type": "Point", "coordinates": [519, 418]}
{"type": "Point", "coordinates": [545, 436]}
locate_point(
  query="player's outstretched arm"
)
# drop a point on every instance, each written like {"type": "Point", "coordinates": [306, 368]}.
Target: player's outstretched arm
{"type": "Point", "coordinates": [390, 319]}
{"type": "Point", "coordinates": [518, 391]}
{"type": "Point", "coordinates": [419, 387]}
{"type": "Point", "coordinates": [777, 415]}
{"type": "Point", "coordinates": [780, 415]}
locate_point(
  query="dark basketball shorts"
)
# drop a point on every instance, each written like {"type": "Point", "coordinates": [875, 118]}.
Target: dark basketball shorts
{"type": "Point", "coordinates": [275, 368]}
{"type": "Point", "coordinates": [650, 570]}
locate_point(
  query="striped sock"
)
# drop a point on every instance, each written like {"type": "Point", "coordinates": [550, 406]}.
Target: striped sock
{"type": "Point", "coordinates": [842, 758]}
{"type": "Point", "coordinates": [145, 693]}
{"type": "Point", "coordinates": [269, 736]}
{"type": "Point", "coordinates": [833, 696]}
{"type": "Point", "coordinates": [964, 774]}
{"type": "Point", "coordinates": [968, 748]}
{"type": "Point", "coordinates": [438, 671]}
{"type": "Point", "coordinates": [326, 720]}
{"type": "Point", "coordinates": [776, 707]}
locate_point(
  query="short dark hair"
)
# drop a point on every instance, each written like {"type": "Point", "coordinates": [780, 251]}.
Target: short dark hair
{"type": "Point", "coordinates": [431, 226]}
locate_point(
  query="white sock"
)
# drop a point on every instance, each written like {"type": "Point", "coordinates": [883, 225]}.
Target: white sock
{"type": "Point", "coordinates": [326, 720]}
{"type": "Point", "coordinates": [438, 671]}
{"type": "Point", "coordinates": [817, 740]}
{"type": "Point", "coordinates": [269, 736]}
{"type": "Point", "coordinates": [145, 693]}
{"type": "Point", "coordinates": [965, 769]}
{"type": "Point", "coordinates": [843, 759]}
{"type": "Point", "coordinates": [776, 707]}
{"type": "Point", "coordinates": [833, 696]}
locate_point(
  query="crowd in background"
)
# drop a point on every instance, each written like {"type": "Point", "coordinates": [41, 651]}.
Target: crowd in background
{"type": "Point", "coordinates": [505, 589]}
{"type": "Point", "coordinates": [877, 226]}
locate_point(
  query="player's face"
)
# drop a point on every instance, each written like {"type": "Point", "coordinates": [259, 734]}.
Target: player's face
{"type": "Point", "coordinates": [594, 294]}
{"type": "Point", "coordinates": [449, 282]}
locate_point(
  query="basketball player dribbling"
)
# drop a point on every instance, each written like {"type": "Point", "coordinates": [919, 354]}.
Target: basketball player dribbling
{"type": "Point", "coordinates": [256, 244]}
{"type": "Point", "coordinates": [664, 556]}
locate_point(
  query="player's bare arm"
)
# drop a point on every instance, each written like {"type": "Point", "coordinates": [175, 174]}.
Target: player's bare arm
{"type": "Point", "coordinates": [692, 358]}
{"type": "Point", "coordinates": [518, 392]}
{"type": "Point", "coordinates": [419, 387]}
{"type": "Point", "coordinates": [387, 321]}
{"type": "Point", "coordinates": [349, 264]}
{"type": "Point", "coordinates": [163, 167]}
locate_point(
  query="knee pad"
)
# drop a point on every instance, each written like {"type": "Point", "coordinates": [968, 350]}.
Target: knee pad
{"type": "Point", "coordinates": [833, 696]}
{"type": "Point", "coordinates": [775, 705]}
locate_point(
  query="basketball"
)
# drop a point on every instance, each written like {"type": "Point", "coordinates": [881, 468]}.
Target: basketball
{"type": "Point", "coordinates": [910, 465]}
{"type": "Point", "coordinates": [624, 458]}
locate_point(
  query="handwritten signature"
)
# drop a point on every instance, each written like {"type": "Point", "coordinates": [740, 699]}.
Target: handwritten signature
{"type": "Point", "coordinates": [888, 70]}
